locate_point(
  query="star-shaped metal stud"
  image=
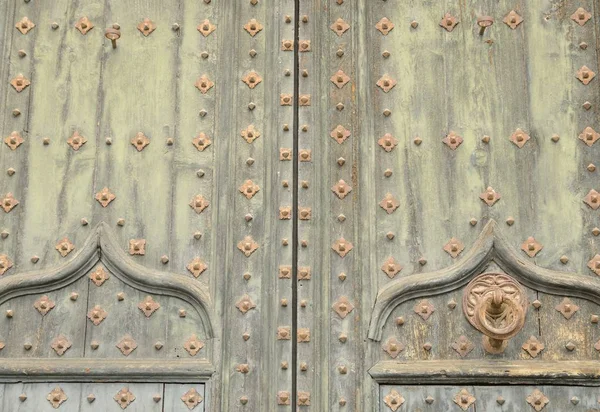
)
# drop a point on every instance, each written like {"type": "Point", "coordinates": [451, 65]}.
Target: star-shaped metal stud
{"type": "Point", "coordinates": [389, 203]}
{"type": "Point", "coordinates": [201, 142]}
{"type": "Point", "coordinates": [84, 25]}
{"type": "Point", "coordinates": [384, 26]}
{"type": "Point", "coordinates": [20, 83]}
{"type": "Point", "coordinates": [512, 19]}
{"type": "Point", "coordinates": [531, 246]}
{"type": "Point", "coordinates": [193, 345]}
{"type": "Point", "coordinates": [9, 202]}
{"type": "Point", "coordinates": [567, 308]}
{"type": "Point", "coordinates": [386, 83]}
{"type": "Point", "coordinates": [390, 267]}
{"type": "Point", "coordinates": [464, 399]}
{"type": "Point", "coordinates": [533, 346]}
{"type": "Point", "coordinates": [585, 75]}
{"type": "Point", "coordinates": [196, 267]}
{"type": "Point", "coordinates": [64, 247]}
{"type": "Point", "coordinates": [76, 140]}
{"type": "Point", "coordinates": [124, 397]}
{"type": "Point", "coordinates": [342, 307]}
{"type": "Point", "coordinates": [249, 189]}
{"type": "Point", "coordinates": [127, 345]}
{"type": "Point", "coordinates": [252, 79]}
{"type": "Point", "coordinates": [97, 315]}
{"type": "Point", "coordinates": [253, 27]}
{"type": "Point", "coordinates": [250, 134]}
{"type": "Point", "coordinates": [341, 189]}
{"type": "Point", "coordinates": [463, 346]}
{"type": "Point", "coordinates": [14, 140]}
{"type": "Point", "coordinates": [342, 247]}
{"type": "Point", "coordinates": [206, 27]}
{"type": "Point", "coordinates": [537, 400]}
{"type": "Point", "coordinates": [454, 247]}
{"type": "Point", "coordinates": [592, 199]}
{"type": "Point", "coordinates": [340, 79]}
{"type": "Point", "coordinates": [589, 136]}
{"type": "Point", "coordinates": [24, 25]}
{"type": "Point", "coordinates": [44, 305]}
{"type": "Point", "coordinates": [191, 398]}
{"type": "Point", "coordinates": [394, 400]}
{"type": "Point", "coordinates": [199, 203]}
{"type": "Point", "coordinates": [140, 141]}
{"type": "Point", "coordinates": [247, 246]}
{"type": "Point", "coordinates": [60, 344]}
{"type": "Point", "coordinates": [148, 306]}
{"type": "Point", "coordinates": [387, 142]}
{"type": "Point", "coordinates": [340, 134]}
{"type": "Point", "coordinates": [424, 309]}
{"type": "Point", "coordinates": [581, 16]}
{"type": "Point", "coordinates": [56, 397]}
{"type": "Point", "coordinates": [490, 196]}
{"type": "Point", "coordinates": [519, 138]}
{"type": "Point", "coordinates": [393, 347]}
{"type": "Point", "coordinates": [137, 247]}
{"type": "Point", "coordinates": [340, 27]}
{"type": "Point", "coordinates": [5, 264]}
{"type": "Point", "coordinates": [448, 22]}
{"type": "Point", "coordinates": [104, 197]}
{"type": "Point", "coordinates": [204, 84]}
{"type": "Point", "coordinates": [146, 27]}
{"type": "Point", "coordinates": [452, 140]}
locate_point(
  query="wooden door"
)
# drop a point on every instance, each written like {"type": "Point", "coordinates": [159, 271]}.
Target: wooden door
{"type": "Point", "coordinates": [321, 205]}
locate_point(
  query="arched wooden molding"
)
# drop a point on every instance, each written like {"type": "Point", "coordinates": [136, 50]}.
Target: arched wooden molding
{"type": "Point", "coordinates": [490, 246]}
{"type": "Point", "coordinates": [102, 247]}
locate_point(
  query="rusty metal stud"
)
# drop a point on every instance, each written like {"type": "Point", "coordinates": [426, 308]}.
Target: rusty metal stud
{"type": "Point", "coordinates": [593, 264]}
{"type": "Point", "coordinates": [304, 46]}
{"type": "Point", "coordinates": [97, 315]}
{"type": "Point", "coordinates": [285, 154]}
{"type": "Point", "coordinates": [14, 140]}
{"type": "Point", "coordinates": [340, 27]}
{"type": "Point", "coordinates": [340, 79]}
{"type": "Point", "coordinates": [245, 304]}
{"type": "Point", "coordinates": [284, 333]}
{"type": "Point", "coordinates": [199, 203]}
{"type": "Point", "coordinates": [512, 19]}
{"type": "Point", "coordinates": [448, 22]}
{"type": "Point", "coordinates": [84, 25]}
{"type": "Point", "coordinates": [390, 267]}
{"type": "Point", "coordinates": [4, 234]}
{"type": "Point", "coordinates": [196, 267]}
{"type": "Point", "coordinates": [113, 35]}
{"type": "Point", "coordinates": [247, 246]}
{"type": "Point", "coordinates": [454, 247]}
{"type": "Point", "coordinates": [304, 273]}
{"type": "Point", "coordinates": [429, 400]}
{"type": "Point", "coordinates": [283, 398]}
{"type": "Point", "coordinates": [104, 197]}
{"type": "Point", "coordinates": [10, 171]}
{"type": "Point", "coordinates": [384, 26]}
{"type": "Point", "coordinates": [464, 399]}
{"type": "Point", "coordinates": [202, 141]}
{"type": "Point", "coordinates": [24, 25]}
{"type": "Point", "coordinates": [146, 27]}
{"type": "Point", "coordinates": [393, 347]}
{"type": "Point", "coordinates": [285, 213]}
{"type": "Point", "coordinates": [570, 346]}
{"type": "Point", "coordinates": [44, 305]}
{"type": "Point", "coordinates": [285, 272]}
{"type": "Point", "coordinates": [303, 335]}
{"type": "Point", "coordinates": [567, 308]}
{"type": "Point", "coordinates": [193, 345]}
{"type": "Point", "coordinates": [394, 400]}
{"type": "Point", "coordinates": [23, 397]}
{"type": "Point", "coordinates": [250, 134]}
{"type": "Point", "coordinates": [127, 345]}
{"type": "Point", "coordinates": [252, 79]}
{"type": "Point", "coordinates": [243, 368]}
{"type": "Point", "coordinates": [424, 309]}
{"type": "Point", "coordinates": [340, 134]}
{"type": "Point", "coordinates": [305, 155]}
{"type": "Point", "coordinates": [386, 83]}
{"type": "Point", "coordinates": [5, 264]}
{"type": "Point", "coordinates": [206, 27]}
{"type": "Point", "coordinates": [191, 398]}
{"type": "Point", "coordinates": [581, 16]}
{"type": "Point", "coordinates": [60, 344]}
{"type": "Point", "coordinates": [591, 167]}
{"type": "Point", "coordinates": [484, 22]}
{"type": "Point", "coordinates": [537, 400]}
{"type": "Point", "coordinates": [531, 246]}
{"type": "Point", "coordinates": [304, 100]}
{"type": "Point", "coordinates": [387, 142]}
{"type": "Point", "coordinates": [341, 189]}
{"type": "Point", "coordinates": [342, 247]}
{"type": "Point", "coordinates": [490, 196]}
{"type": "Point", "coordinates": [389, 203]}
{"type": "Point", "coordinates": [148, 306]}
{"type": "Point", "coordinates": [56, 397]}
{"type": "Point", "coordinates": [463, 346]}
{"type": "Point", "coordinates": [204, 84]}
{"type": "Point", "coordinates": [342, 307]}
{"type": "Point", "coordinates": [533, 346]}
{"type": "Point", "coordinates": [253, 27]}
{"type": "Point", "coordinates": [585, 75]}
{"type": "Point", "coordinates": [452, 140]}
{"type": "Point", "coordinates": [74, 296]}
{"type": "Point", "coordinates": [76, 140]}
{"type": "Point", "coordinates": [592, 199]}
{"type": "Point", "coordinates": [137, 246]}
{"type": "Point", "coordinates": [140, 141]}
{"type": "Point", "coordinates": [124, 397]}
{"type": "Point", "coordinates": [287, 45]}
{"type": "Point", "coordinates": [305, 213]}
{"type": "Point", "coordinates": [303, 398]}
{"type": "Point", "coordinates": [451, 304]}
{"type": "Point", "coordinates": [64, 247]}
{"type": "Point", "coordinates": [9, 202]}
{"type": "Point", "coordinates": [20, 83]}
{"type": "Point", "coordinates": [249, 189]}
{"type": "Point", "coordinates": [285, 99]}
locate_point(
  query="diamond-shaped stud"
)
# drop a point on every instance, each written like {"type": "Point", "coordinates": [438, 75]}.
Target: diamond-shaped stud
{"type": "Point", "coordinates": [592, 199]}
{"type": "Point", "coordinates": [5, 264]}
{"type": "Point", "coordinates": [148, 306]}
{"type": "Point", "coordinates": [454, 247]}
{"type": "Point", "coordinates": [531, 246]}
{"type": "Point", "coordinates": [127, 345]}
{"type": "Point", "coordinates": [384, 26]}
{"type": "Point", "coordinates": [140, 141]}
{"type": "Point", "coordinates": [389, 203]}
{"type": "Point", "coordinates": [581, 16]}
{"type": "Point", "coordinates": [104, 197]}
{"type": "Point", "coordinates": [76, 140]}
{"type": "Point", "coordinates": [247, 246]}
{"type": "Point", "coordinates": [464, 399]}
{"type": "Point", "coordinates": [567, 308]}
{"type": "Point", "coordinates": [589, 136]}
{"type": "Point", "coordinates": [199, 203]}
{"type": "Point", "coordinates": [341, 189]}
{"type": "Point", "coordinates": [585, 75]}
{"type": "Point", "coordinates": [19, 83]}
{"type": "Point", "coordinates": [44, 305]}
{"type": "Point", "coordinates": [84, 25]}
{"type": "Point", "coordinates": [146, 27]}
{"type": "Point", "coordinates": [386, 83]}
{"type": "Point", "coordinates": [533, 346]}
{"type": "Point", "coordinates": [56, 397]}
{"type": "Point", "coordinates": [196, 267]}
{"type": "Point", "coordinates": [448, 22]}
{"type": "Point", "coordinates": [252, 79]}
{"type": "Point", "coordinates": [593, 264]}
{"type": "Point", "coordinates": [512, 19]}
{"type": "Point", "coordinates": [14, 140]}
{"type": "Point", "coordinates": [340, 79]}
{"type": "Point", "coordinates": [463, 346]}
{"type": "Point", "coordinates": [253, 27]}
{"type": "Point", "coordinates": [191, 398]}
{"type": "Point", "coordinates": [204, 84]}
{"type": "Point", "coordinates": [249, 189]}
{"type": "Point", "coordinates": [206, 27]}
{"type": "Point", "coordinates": [342, 247]}
{"type": "Point", "coordinates": [124, 397]}
{"type": "Point", "coordinates": [393, 400]}
{"type": "Point", "coordinates": [387, 142]}
{"type": "Point", "coordinates": [97, 315]}
{"type": "Point", "coordinates": [537, 400]}
{"type": "Point", "coordinates": [340, 26]}
{"type": "Point", "coordinates": [9, 202]}
{"type": "Point", "coordinates": [193, 345]}
{"type": "Point", "coordinates": [340, 134]}
{"type": "Point", "coordinates": [342, 307]}
{"type": "Point", "coordinates": [250, 134]}
{"type": "Point", "coordinates": [137, 247]}
{"type": "Point", "coordinates": [201, 142]}
{"type": "Point", "coordinates": [490, 196]}
{"type": "Point", "coordinates": [64, 247]}
{"type": "Point", "coordinates": [390, 267]}
{"type": "Point", "coordinates": [99, 276]}
{"type": "Point", "coordinates": [424, 309]}
{"type": "Point", "coordinates": [245, 304]}
{"type": "Point", "coordinates": [392, 347]}
{"type": "Point", "coordinates": [452, 140]}
{"type": "Point", "coordinates": [24, 25]}
{"type": "Point", "coordinates": [60, 344]}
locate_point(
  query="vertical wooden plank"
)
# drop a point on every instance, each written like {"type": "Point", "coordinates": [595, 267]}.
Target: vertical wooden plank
{"type": "Point", "coordinates": [173, 398]}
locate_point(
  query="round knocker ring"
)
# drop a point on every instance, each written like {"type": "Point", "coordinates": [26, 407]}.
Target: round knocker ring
{"type": "Point", "coordinates": [507, 308]}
